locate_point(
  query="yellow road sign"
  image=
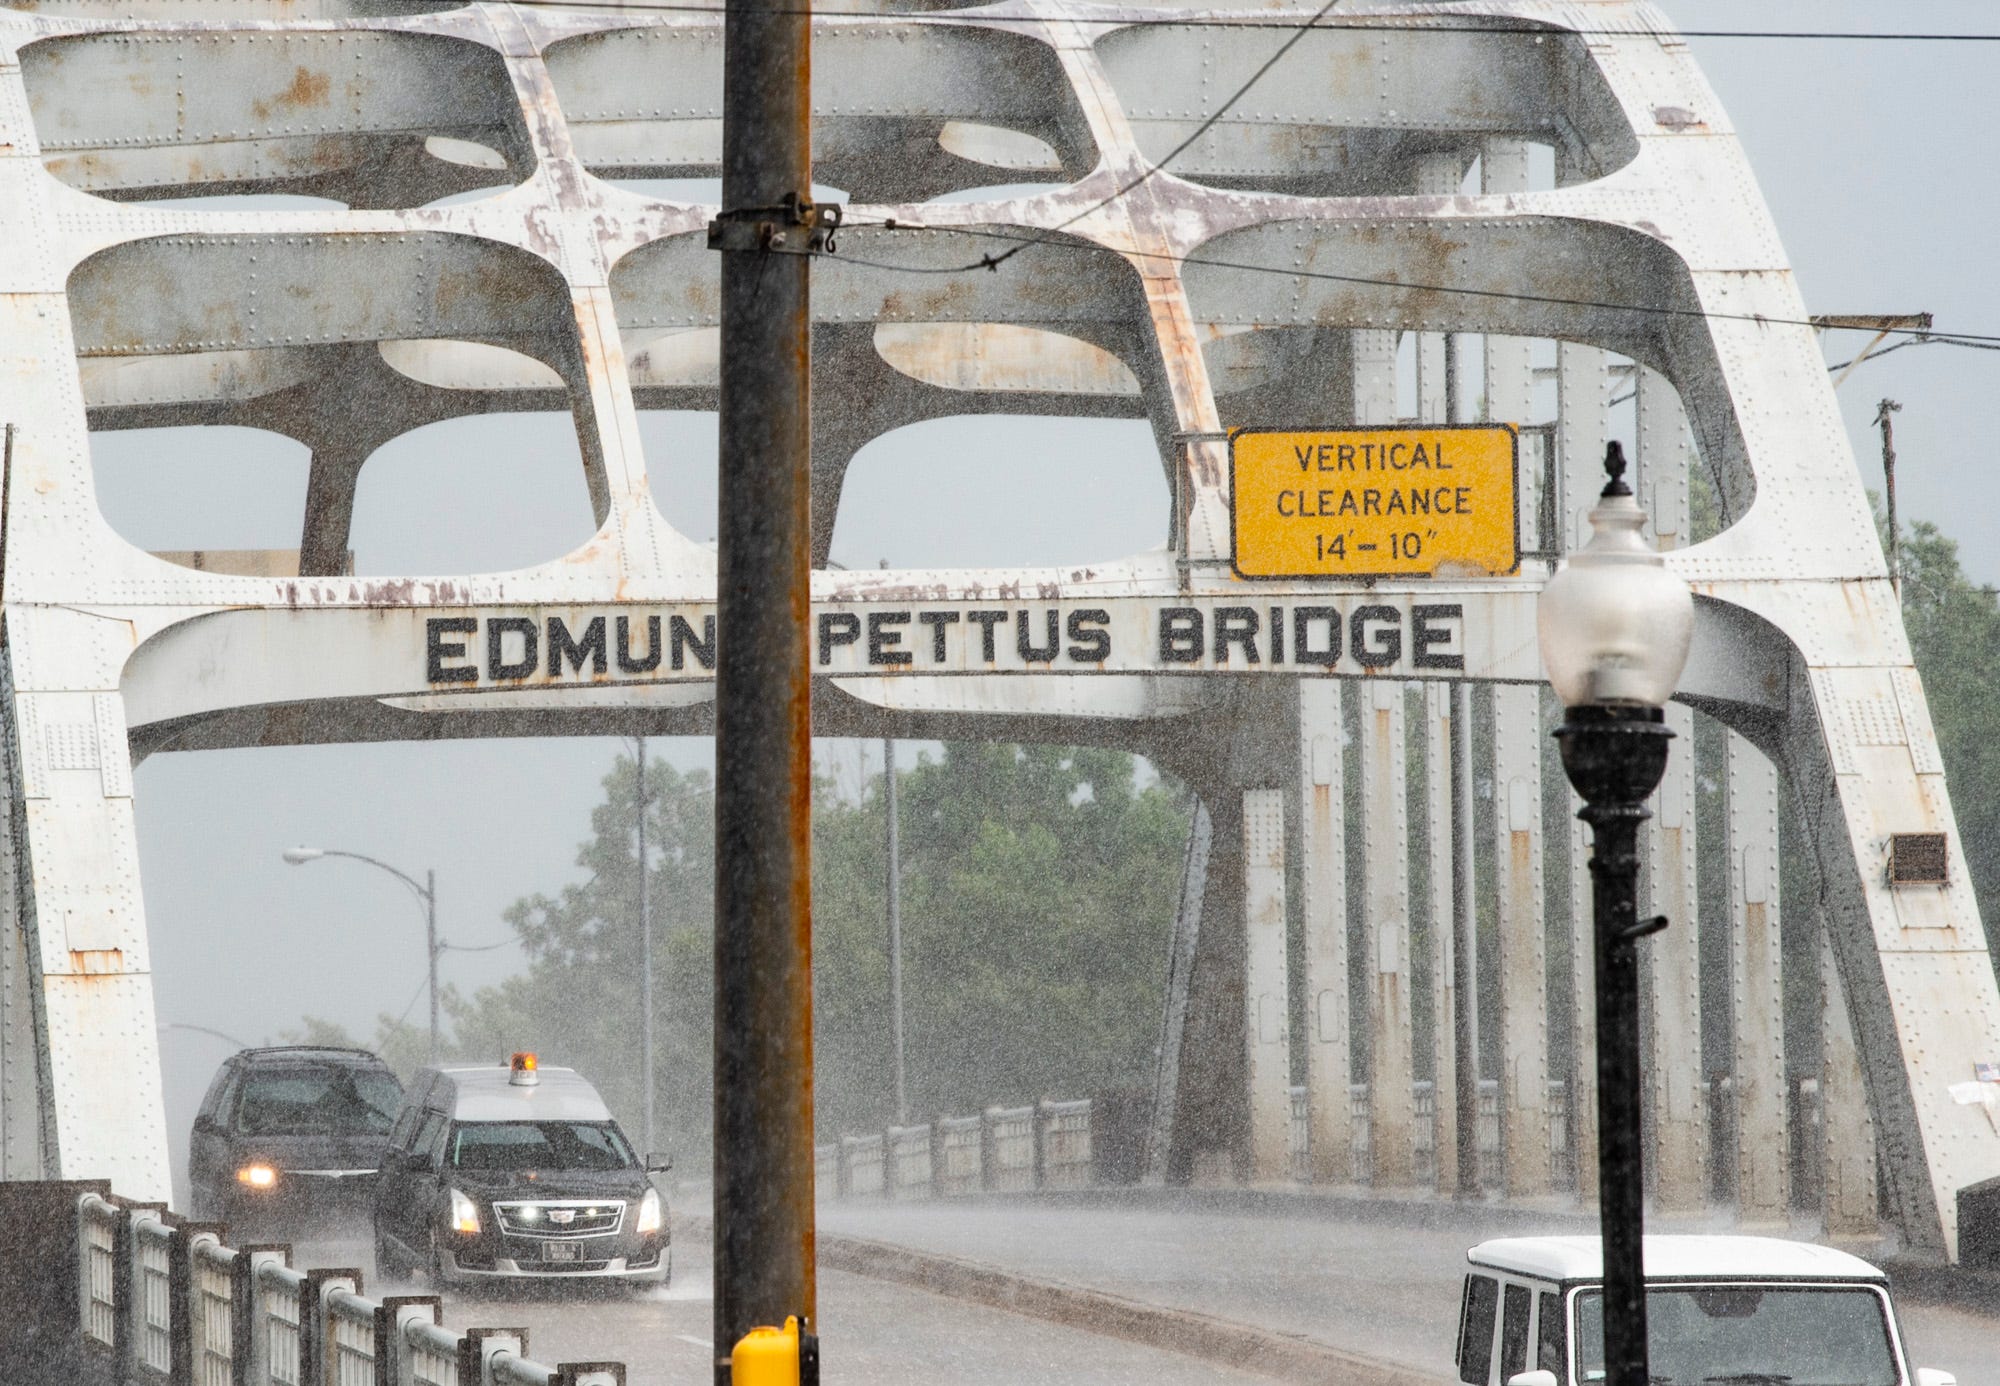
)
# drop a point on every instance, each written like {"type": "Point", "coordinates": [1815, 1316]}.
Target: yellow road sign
{"type": "Point", "coordinates": [1374, 502]}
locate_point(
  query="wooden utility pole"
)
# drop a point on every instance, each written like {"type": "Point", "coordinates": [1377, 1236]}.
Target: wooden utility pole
{"type": "Point", "coordinates": [1882, 421]}
{"type": "Point", "coordinates": [766, 233]}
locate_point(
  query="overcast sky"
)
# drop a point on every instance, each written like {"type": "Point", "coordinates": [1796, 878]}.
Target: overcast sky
{"type": "Point", "coordinates": [1855, 146]}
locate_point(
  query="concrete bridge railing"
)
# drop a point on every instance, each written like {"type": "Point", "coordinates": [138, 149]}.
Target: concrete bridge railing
{"type": "Point", "coordinates": [1055, 1145]}
{"type": "Point", "coordinates": [1001, 1150]}
{"type": "Point", "coordinates": [132, 1293]}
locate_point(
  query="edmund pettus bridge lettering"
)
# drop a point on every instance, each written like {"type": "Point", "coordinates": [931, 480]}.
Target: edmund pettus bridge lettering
{"type": "Point", "coordinates": [1363, 634]}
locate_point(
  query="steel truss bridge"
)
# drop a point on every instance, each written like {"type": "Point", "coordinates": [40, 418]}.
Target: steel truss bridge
{"type": "Point", "coordinates": [1544, 190]}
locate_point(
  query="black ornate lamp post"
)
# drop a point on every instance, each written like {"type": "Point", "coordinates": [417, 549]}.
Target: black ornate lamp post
{"type": "Point", "coordinates": [1614, 627]}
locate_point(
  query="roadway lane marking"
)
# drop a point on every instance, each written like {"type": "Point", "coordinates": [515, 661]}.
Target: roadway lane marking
{"type": "Point", "coordinates": [698, 1342]}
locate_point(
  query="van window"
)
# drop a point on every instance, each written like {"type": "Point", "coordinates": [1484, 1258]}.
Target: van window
{"type": "Point", "coordinates": [1475, 1329]}
{"type": "Point", "coordinates": [1552, 1342]}
{"type": "Point", "coordinates": [1514, 1332]}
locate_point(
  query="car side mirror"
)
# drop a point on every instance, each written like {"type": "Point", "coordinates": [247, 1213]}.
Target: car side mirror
{"type": "Point", "coordinates": [1931, 1376]}
{"type": "Point", "coordinates": [659, 1163]}
{"type": "Point", "coordinates": [206, 1126]}
{"type": "Point", "coordinates": [1538, 1377]}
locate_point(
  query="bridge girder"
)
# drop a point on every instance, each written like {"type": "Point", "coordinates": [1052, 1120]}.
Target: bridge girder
{"type": "Point", "coordinates": [570, 288]}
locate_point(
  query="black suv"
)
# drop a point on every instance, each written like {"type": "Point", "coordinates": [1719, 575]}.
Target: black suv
{"type": "Point", "coordinates": [290, 1138]}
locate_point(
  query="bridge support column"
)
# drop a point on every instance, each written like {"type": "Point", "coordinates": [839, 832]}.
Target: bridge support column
{"type": "Point", "coordinates": [1521, 940]}
{"type": "Point", "coordinates": [1860, 752]}
{"type": "Point", "coordinates": [1180, 966]}
{"type": "Point", "coordinates": [1583, 412]}
{"type": "Point", "coordinates": [1386, 870]}
{"type": "Point", "coordinates": [1441, 856]}
{"type": "Point", "coordinates": [1521, 937]}
{"type": "Point", "coordinates": [1847, 1134]}
{"type": "Point", "coordinates": [75, 916]}
{"type": "Point", "coordinates": [1267, 1034]}
{"type": "Point", "coordinates": [1322, 880]}
{"type": "Point", "coordinates": [1211, 1113]}
{"type": "Point", "coordinates": [21, 1077]}
{"type": "Point", "coordinates": [1757, 1000]}
{"type": "Point", "coordinates": [1677, 1112]}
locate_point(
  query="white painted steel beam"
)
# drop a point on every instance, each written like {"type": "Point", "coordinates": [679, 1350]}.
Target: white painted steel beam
{"type": "Point", "coordinates": [1756, 987]}
{"type": "Point", "coordinates": [1180, 972]}
{"type": "Point", "coordinates": [1447, 1009]}
{"type": "Point", "coordinates": [1386, 923]}
{"type": "Point", "coordinates": [96, 1098]}
{"type": "Point", "coordinates": [1677, 1109]}
{"type": "Point", "coordinates": [1583, 399]}
{"type": "Point", "coordinates": [1521, 940]}
{"type": "Point", "coordinates": [1266, 1044]}
{"type": "Point", "coordinates": [1847, 1134]}
{"type": "Point", "coordinates": [1322, 739]}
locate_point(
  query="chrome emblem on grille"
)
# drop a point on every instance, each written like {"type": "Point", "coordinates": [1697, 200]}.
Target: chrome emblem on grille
{"type": "Point", "coordinates": [562, 1217]}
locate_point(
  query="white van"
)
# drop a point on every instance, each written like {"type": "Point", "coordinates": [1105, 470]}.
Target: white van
{"type": "Point", "coordinates": [1720, 1311]}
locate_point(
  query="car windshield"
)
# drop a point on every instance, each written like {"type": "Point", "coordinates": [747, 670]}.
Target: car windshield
{"type": "Point", "coordinates": [1734, 1335]}
{"type": "Point", "coordinates": [575, 1145]}
{"type": "Point", "coordinates": [318, 1100]}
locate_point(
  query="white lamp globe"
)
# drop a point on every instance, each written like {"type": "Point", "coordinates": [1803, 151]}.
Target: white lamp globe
{"type": "Point", "coordinates": [1614, 623]}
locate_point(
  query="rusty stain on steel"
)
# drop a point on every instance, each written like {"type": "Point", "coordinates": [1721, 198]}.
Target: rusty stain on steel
{"type": "Point", "coordinates": [96, 962]}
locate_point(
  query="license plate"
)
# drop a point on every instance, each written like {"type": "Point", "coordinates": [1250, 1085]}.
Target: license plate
{"type": "Point", "coordinates": [561, 1251]}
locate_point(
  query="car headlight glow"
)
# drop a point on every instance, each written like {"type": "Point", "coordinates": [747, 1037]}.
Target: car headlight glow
{"type": "Point", "coordinates": [464, 1214]}
{"type": "Point", "coordinates": [257, 1176]}
{"type": "Point", "coordinates": [649, 1211]}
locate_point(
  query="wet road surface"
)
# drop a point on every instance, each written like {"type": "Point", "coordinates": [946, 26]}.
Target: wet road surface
{"type": "Point", "coordinates": [1384, 1289]}
{"type": "Point", "coordinates": [1389, 1290]}
{"type": "Point", "coordinates": [873, 1333]}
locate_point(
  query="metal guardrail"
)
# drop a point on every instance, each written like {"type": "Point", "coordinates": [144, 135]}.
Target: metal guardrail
{"type": "Point", "coordinates": [1050, 1146]}
{"type": "Point", "coordinates": [1423, 1133]}
{"type": "Point", "coordinates": [161, 1299]}
{"type": "Point", "coordinates": [1002, 1150]}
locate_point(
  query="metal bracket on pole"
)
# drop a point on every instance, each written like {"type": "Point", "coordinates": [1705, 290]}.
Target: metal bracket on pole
{"type": "Point", "coordinates": [796, 226]}
{"type": "Point", "coordinates": [1644, 928]}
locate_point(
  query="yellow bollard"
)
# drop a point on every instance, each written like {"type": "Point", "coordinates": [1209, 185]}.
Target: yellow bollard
{"type": "Point", "coordinates": [787, 1356]}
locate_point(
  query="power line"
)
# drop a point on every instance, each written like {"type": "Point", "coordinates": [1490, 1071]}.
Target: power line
{"type": "Point", "coordinates": [1978, 341]}
{"type": "Point", "coordinates": [959, 19]}
{"type": "Point", "coordinates": [994, 262]}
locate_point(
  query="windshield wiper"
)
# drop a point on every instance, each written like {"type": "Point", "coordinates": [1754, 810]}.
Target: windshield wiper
{"type": "Point", "coordinates": [1750, 1379]}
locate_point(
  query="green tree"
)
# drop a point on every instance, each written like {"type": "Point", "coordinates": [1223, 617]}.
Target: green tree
{"type": "Point", "coordinates": [1038, 894]}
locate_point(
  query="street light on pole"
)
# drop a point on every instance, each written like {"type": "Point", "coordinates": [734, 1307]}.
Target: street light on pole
{"type": "Point", "coordinates": [426, 894]}
{"type": "Point", "coordinates": [645, 950]}
{"type": "Point", "coordinates": [1614, 627]}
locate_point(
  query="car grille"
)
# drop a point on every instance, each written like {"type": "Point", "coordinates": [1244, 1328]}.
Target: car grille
{"type": "Point", "coordinates": [568, 1217]}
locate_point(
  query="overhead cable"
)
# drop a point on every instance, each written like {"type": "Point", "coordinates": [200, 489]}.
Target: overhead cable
{"type": "Point", "coordinates": [1981, 341]}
